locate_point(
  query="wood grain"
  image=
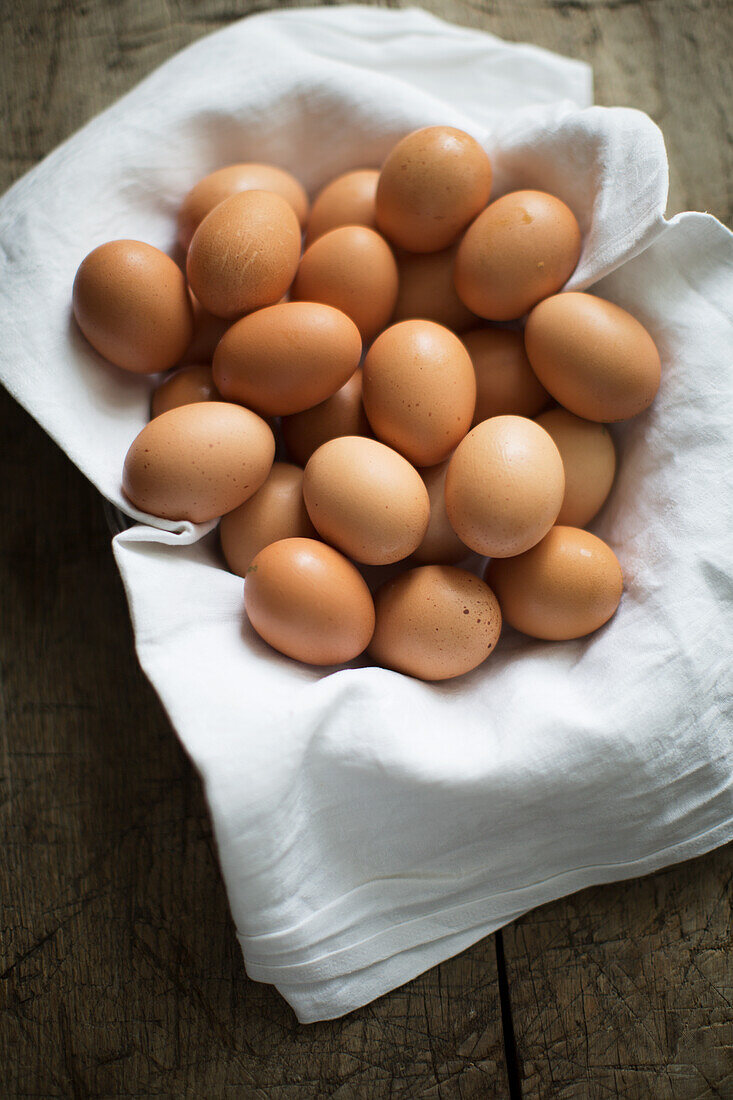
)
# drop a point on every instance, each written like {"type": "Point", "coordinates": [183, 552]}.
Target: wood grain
{"type": "Point", "coordinates": [119, 971]}
{"type": "Point", "coordinates": [627, 990]}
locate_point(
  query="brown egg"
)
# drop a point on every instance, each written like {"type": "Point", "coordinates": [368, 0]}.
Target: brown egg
{"type": "Point", "coordinates": [432, 184]}
{"type": "Point", "coordinates": [521, 249]}
{"type": "Point", "coordinates": [342, 414]}
{"type": "Point", "coordinates": [592, 356]}
{"type": "Point", "coordinates": [504, 486]}
{"type": "Point", "coordinates": [366, 499]}
{"type": "Point", "coordinates": [505, 382]}
{"type": "Point", "coordinates": [307, 601]}
{"type": "Point", "coordinates": [207, 332]}
{"type": "Point", "coordinates": [244, 254]}
{"type": "Point", "coordinates": [347, 200]}
{"type": "Point", "coordinates": [565, 587]}
{"type": "Point", "coordinates": [287, 358]}
{"type": "Point", "coordinates": [589, 459]}
{"type": "Point", "coordinates": [225, 182]}
{"type": "Point", "coordinates": [419, 390]}
{"type": "Point", "coordinates": [426, 290]}
{"type": "Point", "coordinates": [440, 544]}
{"type": "Point", "coordinates": [276, 511]}
{"type": "Point", "coordinates": [131, 303]}
{"type": "Point", "coordinates": [199, 461]}
{"type": "Point", "coordinates": [184, 387]}
{"type": "Point", "coordinates": [351, 268]}
{"type": "Point", "coordinates": [435, 622]}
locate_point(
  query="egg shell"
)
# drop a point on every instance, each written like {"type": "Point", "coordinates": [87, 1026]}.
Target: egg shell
{"type": "Point", "coordinates": [522, 248]}
{"type": "Point", "coordinates": [207, 332]}
{"type": "Point", "coordinates": [433, 183]}
{"type": "Point", "coordinates": [566, 586]}
{"type": "Point", "coordinates": [276, 511]}
{"type": "Point", "coordinates": [435, 622]}
{"type": "Point", "coordinates": [309, 602]}
{"type": "Point", "coordinates": [341, 414]}
{"type": "Point", "coordinates": [235, 178]}
{"type": "Point", "coordinates": [185, 386]}
{"type": "Point", "coordinates": [366, 499]}
{"type": "Point", "coordinates": [426, 290]}
{"type": "Point", "coordinates": [592, 356]}
{"type": "Point", "coordinates": [419, 390]}
{"type": "Point", "coordinates": [351, 268]}
{"type": "Point", "coordinates": [244, 254]}
{"type": "Point", "coordinates": [130, 301]}
{"type": "Point", "coordinates": [197, 462]}
{"type": "Point", "coordinates": [287, 358]}
{"type": "Point", "coordinates": [504, 486]}
{"type": "Point", "coordinates": [505, 381]}
{"type": "Point", "coordinates": [589, 460]}
{"type": "Point", "coordinates": [347, 200]}
{"type": "Point", "coordinates": [440, 544]}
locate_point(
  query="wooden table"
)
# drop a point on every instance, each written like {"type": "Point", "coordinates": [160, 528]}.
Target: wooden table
{"type": "Point", "coordinates": [121, 975]}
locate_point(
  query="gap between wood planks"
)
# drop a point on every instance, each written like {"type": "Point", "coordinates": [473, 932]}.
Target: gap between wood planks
{"type": "Point", "coordinates": [507, 1023]}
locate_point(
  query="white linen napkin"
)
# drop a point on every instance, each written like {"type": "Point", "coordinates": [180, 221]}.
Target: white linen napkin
{"type": "Point", "coordinates": [370, 825]}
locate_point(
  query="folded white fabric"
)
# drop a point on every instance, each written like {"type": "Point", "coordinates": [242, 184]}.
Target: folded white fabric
{"type": "Point", "coordinates": [370, 825]}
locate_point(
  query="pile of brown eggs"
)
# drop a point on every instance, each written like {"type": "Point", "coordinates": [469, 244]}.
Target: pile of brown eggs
{"type": "Point", "coordinates": [449, 436]}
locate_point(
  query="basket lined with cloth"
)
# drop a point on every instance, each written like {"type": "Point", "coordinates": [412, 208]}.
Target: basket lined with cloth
{"type": "Point", "coordinates": [370, 825]}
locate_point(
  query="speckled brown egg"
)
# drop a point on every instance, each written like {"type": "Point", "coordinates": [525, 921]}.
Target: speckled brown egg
{"type": "Point", "coordinates": [589, 459]}
{"type": "Point", "coordinates": [346, 200]}
{"type": "Point", "coordinates": [184, 387]}
{"type": "Point", "coordinates": [130, 301]}
{"type": "Point", "coordinates": [521, 249]}
{"type": "Point", "coordinates": [366, 499]}
{"type": "Point", "coordinates": [426, 290]}
{"type": "Point", "coordinates": [592, 356]}
{"type": "Point", "coordinates": [276, 511]}
{"type": "Point", "coordinates": [566, 586]}
{"type": "Point", "coordinates": [351, 268]}
{"type": "Point", "coordinates": [244, 254]}
{"type": "Point", "coordinates": [225, 182]}
{"type": "Point", "coordinates": [342, 414]}
{"type": "Point", "coordinates": [440, 544]}
{"type": "Point", "coordinates": [207, 332]}
{"type": "Point", "coordinates": [433, 183]}
{"type": "Point", "coordinates": [504, 487]}
{"type": "Point", "coordinates": [419, 390]}
{"type": "Point", "coordinates": [435, 622]}
{"type": "Point", "coordinates": [309, 602]}
{"type": "Point", "coordinates": [505, 381]}
{"type": "Point", "coordinates": [287, 358]}
{"type": "Point", "coordinates": [197, 462]}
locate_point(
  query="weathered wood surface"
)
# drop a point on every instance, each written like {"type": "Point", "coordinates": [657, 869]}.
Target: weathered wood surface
{"type": "Point", "coordinates": [627, 990]}
{"type": "Point", "coordinates": [119, 971]}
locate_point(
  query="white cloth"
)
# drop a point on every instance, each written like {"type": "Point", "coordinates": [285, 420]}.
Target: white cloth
{"type": "Point", "coordinates": [370, 825]}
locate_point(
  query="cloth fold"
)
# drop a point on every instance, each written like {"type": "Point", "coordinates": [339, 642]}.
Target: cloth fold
{"type": "Point", "coordinates": [370, 825]}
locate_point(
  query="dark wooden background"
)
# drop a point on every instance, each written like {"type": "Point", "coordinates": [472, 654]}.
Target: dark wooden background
{"type": "Point", "coordinates": [119, 971]}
